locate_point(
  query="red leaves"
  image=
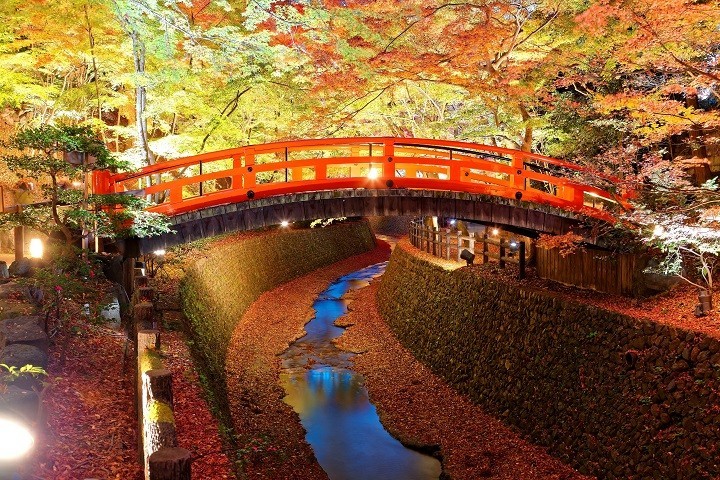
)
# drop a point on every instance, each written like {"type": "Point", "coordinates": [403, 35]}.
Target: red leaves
{"type": "Point", "coordinates": [91, 420]}
{"type": "Point", "coordinates": [197, 430]}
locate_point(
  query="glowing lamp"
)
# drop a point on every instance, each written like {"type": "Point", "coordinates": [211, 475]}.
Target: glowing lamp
{"type": "Point", "coordinates": [495, 232]}
{"type": "Point", "coordinates": [284, 224]}
{"type": "Point", "coordinates": [16, 440]}
{"type": "Point", "coordinates": [452, 222]}
{"type": "Point", "coordinates": [373, 174]}
{"type": "Point", "coordinates": [159, 253]}
{"type": "Point", "coordinates": [36, 248]}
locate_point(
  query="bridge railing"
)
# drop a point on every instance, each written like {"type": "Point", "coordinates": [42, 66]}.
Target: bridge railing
{"type": "Point", "coordinates": [259, 171]}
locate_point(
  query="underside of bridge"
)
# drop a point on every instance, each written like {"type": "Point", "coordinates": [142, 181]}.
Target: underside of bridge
{"type": "Point", "coordinates": [523, 216]}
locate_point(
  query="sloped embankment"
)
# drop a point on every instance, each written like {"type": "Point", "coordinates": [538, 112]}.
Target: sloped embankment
{"type": "Point", "coordinates": [233, 272]}
{"type": "Point", "coordinates": [615, 396]}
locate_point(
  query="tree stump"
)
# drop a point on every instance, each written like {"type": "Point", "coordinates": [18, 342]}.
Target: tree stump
{"type": "Point", "coordinates": [144, 315]}
{"type": "Point", "coordinates": [140, 281]}
{"type": "Point", "coordinates": [145, 294]}
{"type": "Point", "coordinates": [148, 339]}
{"type": "Point", "coordinates": [170, 463]}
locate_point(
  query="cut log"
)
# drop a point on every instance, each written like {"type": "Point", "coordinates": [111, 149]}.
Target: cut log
{"type": "Point", "coordinates": [170, 464]}
{"type": "Point", "coordinates": [144, 315]}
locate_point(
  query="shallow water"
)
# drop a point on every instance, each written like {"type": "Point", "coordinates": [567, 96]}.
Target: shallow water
{"type": "Point", "coordinates": [342, 425]}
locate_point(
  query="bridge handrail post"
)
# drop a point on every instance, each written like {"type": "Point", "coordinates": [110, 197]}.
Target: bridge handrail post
{"type": "Point", "coordinates": [485, 257]}
{"type": "Point", "coordinates": [459, 245]}
{"type": "Point", "coordinates": [389, 154]}
{"type": "Point", "coordinates": [519, 180]}
{"type": "Point", "coordinates": [249, 176]}
{"type": "Point", "coordinates": [447, 245]}
{"type": "Point", "coordinates": [502, 253]}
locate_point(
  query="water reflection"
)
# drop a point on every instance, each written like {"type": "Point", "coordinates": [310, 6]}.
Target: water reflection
{"type": "Point", "coordinates": [342, 425]}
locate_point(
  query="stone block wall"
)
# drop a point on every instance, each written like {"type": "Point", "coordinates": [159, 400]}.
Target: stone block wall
{"type": "Point", "coordinates": [614, 396]}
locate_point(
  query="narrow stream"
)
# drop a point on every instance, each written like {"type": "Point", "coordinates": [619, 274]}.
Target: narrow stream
{"type": "Point", "coordinates": [342, 425]}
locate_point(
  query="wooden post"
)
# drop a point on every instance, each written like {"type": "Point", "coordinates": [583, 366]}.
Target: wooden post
{"type": "Point", "coordinates": [19, 241]}
{"type": "Point", "coordinates": [159, 386]}
{"type": "Point", "coordinates": [502, 253]}
{"type": "Point", "coordinates": [433, 232]}
{"type": "Point", "coordinates": [521, 253]}
{"type": "Point", "coordinates": [144, 315]}
{"type": "Point", "coordinates": [145, 294]}
{"type": "Point", "coordinates": [170, 463]}
{"type": "Point", "coordinates": [459, 245]}
{"type": "Point", "coordinates": [447, 245]}
{"type": "Point", "coordinates": [140, 281]}
{"type": "Point", "coordinates": [485, 257]}
{"type": "Point", "coordinates": [158, 418]}
{"type": "Point", "coordinates": [148, 339]}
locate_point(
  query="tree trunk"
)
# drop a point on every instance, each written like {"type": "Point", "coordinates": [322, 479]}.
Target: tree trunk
{"type": "Point", "coordinates": [141, 96]}
{"type": "Point", "coordinates": [528, 137]}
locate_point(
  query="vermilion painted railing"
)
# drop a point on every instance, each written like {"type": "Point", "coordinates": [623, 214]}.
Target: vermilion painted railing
{"type": "Point", "coordinates": [259, 171]}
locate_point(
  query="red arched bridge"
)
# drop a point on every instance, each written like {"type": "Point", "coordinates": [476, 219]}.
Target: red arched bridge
{"type": "Point", "coordinates": [307, 179]}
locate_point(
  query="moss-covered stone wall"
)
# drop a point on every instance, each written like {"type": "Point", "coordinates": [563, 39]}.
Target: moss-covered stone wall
{"type": "Point", "coordinates": [616, 397]}
{"type": "Point", "coordinates": [218, 288]}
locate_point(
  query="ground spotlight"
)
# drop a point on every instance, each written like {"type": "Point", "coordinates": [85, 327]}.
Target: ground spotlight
{"type": "Point", "coordinates": [468, 256]}
{"type": "Point", "coordinates": [284, 224]}
{"type": "Point", "coordinates": [16, 439]}
{"type": "Point", "coordinates": [495, 232]}
{"type": "Point", "coordinates": [453, 221]}
{"type": "Point", "coordinates": [373, 174]}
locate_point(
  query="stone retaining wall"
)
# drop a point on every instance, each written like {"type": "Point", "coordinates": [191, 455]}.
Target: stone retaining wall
{"type": "Point", "coordinates": [614, 396]}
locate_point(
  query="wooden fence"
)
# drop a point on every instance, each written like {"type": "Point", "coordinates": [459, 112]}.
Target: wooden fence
{"type": "Point", "coordinates": [602, 271]}
{"type": "Point", "coordinates": [444, 244]}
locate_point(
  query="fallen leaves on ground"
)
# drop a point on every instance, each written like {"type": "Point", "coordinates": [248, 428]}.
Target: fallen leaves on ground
{"type": "Point", "coordinates": [197, 429]}
{"type": "Point", "coordinates": [421, 409]}
{"type": "Point", "coordinates": [91, 425]}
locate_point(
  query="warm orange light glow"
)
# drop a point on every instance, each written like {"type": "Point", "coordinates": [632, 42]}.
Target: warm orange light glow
{"type": "Point", "coordinates": [36, 248]}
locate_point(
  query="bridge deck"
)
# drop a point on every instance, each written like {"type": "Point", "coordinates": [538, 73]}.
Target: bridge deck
{"type": "Point", "coordinates": [260, 171]}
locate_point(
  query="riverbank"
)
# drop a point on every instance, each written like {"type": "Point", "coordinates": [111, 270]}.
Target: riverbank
{"type": "Point", "coordinates": [415, 404]}
{"type": "Point", "coordinates": [421, 409]}
{"type": "Point", "coordinates": [269, 431]}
